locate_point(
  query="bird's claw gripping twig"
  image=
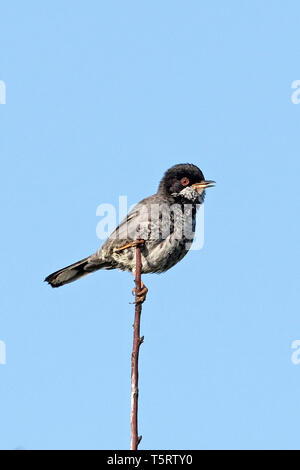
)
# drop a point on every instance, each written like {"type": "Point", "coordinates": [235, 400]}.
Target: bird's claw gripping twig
{"type": "Point", "coordinates": [141, 294]}
{"type": "Point", "coordinates": [130, 245]}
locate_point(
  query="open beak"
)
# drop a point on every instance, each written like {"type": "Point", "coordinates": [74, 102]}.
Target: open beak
{"type": "Point", "coordinates": [203, 185]}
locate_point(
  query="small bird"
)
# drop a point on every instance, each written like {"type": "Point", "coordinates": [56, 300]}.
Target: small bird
{"type": "Point", "coordinates": [163, 225]}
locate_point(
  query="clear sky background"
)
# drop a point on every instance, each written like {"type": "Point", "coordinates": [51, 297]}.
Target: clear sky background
{"type": "Point", "coordinates": [103, 97]}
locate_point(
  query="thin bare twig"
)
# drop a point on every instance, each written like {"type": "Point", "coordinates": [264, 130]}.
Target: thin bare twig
{"type": "Point", "coordinates": [137, 341]}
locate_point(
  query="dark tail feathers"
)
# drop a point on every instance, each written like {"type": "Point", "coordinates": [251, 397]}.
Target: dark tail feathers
{"type": "Point", "coordinates": [70, 273]}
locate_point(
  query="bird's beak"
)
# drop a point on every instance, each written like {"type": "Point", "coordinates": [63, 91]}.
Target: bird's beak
{"type": "Point", "coordinates": [199, 187]}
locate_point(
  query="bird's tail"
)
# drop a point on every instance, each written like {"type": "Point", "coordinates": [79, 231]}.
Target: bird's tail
{"type": "Point", "coordinates": [73, 272]}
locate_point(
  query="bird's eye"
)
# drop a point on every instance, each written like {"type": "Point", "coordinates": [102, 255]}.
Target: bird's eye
{"type": "Point", "coordinates": [184, 181]}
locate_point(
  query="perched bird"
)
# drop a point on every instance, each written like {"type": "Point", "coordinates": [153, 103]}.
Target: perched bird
{"type": "Point", "coordinates": [163, 225]}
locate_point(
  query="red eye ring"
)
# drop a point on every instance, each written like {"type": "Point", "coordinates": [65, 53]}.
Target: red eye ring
{"type": "Point", "coordinates": [184, 181]}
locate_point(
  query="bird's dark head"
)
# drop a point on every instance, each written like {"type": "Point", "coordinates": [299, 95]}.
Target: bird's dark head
{"type": "Point", "coordinates": [184, 181]}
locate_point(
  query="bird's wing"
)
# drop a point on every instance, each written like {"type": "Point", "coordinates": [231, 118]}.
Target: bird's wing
{"type": "Point", "coordinates": [127, 228]}
{"type": "Point", "coordinates": [134, 226]}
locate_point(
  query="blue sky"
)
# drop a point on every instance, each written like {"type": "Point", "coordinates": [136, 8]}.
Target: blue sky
{"type": "Point", "coordinates": [103, 97]}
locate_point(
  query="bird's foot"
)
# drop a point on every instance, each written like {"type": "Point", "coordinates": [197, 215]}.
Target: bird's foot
{"type": "Point", "coordinates": [141, 294]}
{"type": "Point", "coordinates": [130, 245]}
